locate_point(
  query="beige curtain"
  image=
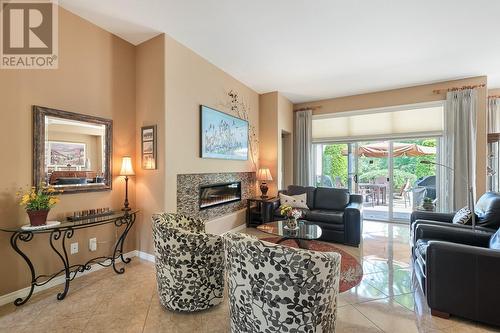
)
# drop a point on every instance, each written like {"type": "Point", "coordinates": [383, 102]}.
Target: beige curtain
{"type": "Point", "coordinates": [494, 147]}
{"type": "Point", "coordinates": [303, 170]}
{"type": "Point", "coordinates": [460, 148]}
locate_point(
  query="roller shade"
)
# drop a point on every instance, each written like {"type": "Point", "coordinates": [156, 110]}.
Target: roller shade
{"type": "Point", "coordinates": [377, 124]}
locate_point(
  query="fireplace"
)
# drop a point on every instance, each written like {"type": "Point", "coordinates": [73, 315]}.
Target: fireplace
{"type": "Point", "coordinates": [219, 194]}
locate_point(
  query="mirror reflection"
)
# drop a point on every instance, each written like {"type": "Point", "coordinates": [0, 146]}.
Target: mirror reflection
{"type": "Point", "coordinates": [74, 153]}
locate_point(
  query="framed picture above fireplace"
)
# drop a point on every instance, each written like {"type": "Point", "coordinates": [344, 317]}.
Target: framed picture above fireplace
{"type": "Point", "coordinates": [222, 136]}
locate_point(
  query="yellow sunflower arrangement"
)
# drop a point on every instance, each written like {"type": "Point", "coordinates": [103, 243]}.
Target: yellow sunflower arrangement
{"type": "Point", "coordinates": [43, 198]}
{"type": "Point", "coordinates": [38, 202]}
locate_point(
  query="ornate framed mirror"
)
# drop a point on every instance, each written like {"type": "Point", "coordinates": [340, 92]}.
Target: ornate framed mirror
{"type": "Point", "coordinates": [71, 151]}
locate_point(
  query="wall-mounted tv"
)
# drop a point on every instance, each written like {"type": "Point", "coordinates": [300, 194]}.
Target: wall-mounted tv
{"type": "Point", "coordinates": [223, 136]}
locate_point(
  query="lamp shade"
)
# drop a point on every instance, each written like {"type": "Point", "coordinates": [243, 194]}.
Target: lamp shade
{"type": "Point", "coordinates": [264, 174]}
{"type": "Point", "coordinates": [127, 169]}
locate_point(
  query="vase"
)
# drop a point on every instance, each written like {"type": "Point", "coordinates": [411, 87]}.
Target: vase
{"type": "Point", "coordinates": [291, 223]}
{"type": "Point", "coordinates": [38, 217]}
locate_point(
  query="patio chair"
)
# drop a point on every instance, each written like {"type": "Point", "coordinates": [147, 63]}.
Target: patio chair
{"type": "Point", "coordinates": [381, 192]}
{"type": "Point", "coordinates": [368, 193]}
{"type": "Point", "coordinates": [404, 193]}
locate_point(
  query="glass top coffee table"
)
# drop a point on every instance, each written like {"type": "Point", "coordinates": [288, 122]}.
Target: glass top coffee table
{"type": "Point", "coordinates": [305, 232]}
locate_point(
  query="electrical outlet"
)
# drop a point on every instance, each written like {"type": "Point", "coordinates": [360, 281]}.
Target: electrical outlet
{"type": "Point", "coordinates": [93, 244]}
{"type": "Point", "coordinates": [74, 248]}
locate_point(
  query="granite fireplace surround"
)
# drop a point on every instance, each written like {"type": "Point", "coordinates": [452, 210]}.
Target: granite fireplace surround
{"type": "Point", "coordinates": [188, 193]}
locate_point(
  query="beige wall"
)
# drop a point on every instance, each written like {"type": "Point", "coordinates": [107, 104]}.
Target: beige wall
{"type": "Point", "coordinates": [285, 146]}
{"type": "Point", "coordinates": [96, 76]}
{"type": "Point", "coordinates": [150, 110]}
{"type": "Point", "coordinates": [494, 92]}
{"type": "Point", "coordinates": [268, 137]}
{"type": "Point", "coordinates": [276, 117]}
{"type": "Point", "coordinates": [413, 95]}
{"type": "Point", "coordinates": [191, 81]}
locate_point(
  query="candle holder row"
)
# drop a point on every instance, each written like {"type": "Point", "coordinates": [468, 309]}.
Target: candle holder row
{"type": "Point", "coordinates": [89, 213]}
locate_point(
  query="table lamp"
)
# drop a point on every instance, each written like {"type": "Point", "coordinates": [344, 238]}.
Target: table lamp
{"type": "Point", "coordinates": [127, 170]}
{"type": "Point", "coordinates": [264, 175]}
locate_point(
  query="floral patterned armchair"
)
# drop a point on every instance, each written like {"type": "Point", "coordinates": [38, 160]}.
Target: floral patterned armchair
{"type": "Point", "coordinates": [277, 289]}
{"type": "Point", "coordinates": [189, 263]}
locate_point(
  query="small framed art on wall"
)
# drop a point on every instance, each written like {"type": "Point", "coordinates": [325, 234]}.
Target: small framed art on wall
{"type": "Point", "coordinates": [148, 148]}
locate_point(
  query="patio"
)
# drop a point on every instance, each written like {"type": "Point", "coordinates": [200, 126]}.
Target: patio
{"type": "Point", "coordinates": [381, 211]}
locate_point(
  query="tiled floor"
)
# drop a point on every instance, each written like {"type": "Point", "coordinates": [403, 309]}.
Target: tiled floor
{"type": "Point", "coordinates": [385, 301]}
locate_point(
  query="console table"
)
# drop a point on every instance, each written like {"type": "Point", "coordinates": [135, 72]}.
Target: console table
{"type": "Point", "coordinates": [63, 232]}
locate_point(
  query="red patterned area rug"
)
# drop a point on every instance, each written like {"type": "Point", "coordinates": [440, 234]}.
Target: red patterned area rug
{"type": "Point", "coordinates": [351, 271]}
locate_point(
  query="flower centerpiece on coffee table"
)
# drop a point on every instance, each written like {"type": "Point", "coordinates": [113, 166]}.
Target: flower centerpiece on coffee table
{"type": "Point", "coordinates": [38, 203]}
{"type": "Point", "coordinates": [292, 215]}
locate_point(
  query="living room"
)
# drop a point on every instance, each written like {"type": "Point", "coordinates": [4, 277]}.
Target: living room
{"type": "Point", "coordinates": [168, 149]}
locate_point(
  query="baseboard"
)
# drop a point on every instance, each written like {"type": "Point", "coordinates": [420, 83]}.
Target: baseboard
{"type": "Point", "coordinates": [146, 256]}
{"type": "Point", "coordinates": [11, 297]}
{"type": "Point", "coordinates": [238, 228]}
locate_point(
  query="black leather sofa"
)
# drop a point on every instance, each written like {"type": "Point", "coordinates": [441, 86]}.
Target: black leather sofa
{"type": "Point", "coordinates": [338, 213]}
{"type": "Point", "coordinates": [487, 211]}
{"type": "Point", "coordinates": [458, 270]}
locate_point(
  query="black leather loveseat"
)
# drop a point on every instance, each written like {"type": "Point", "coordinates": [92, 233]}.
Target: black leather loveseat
{"type": "Point", "coordinates": [338, 213]}
{"type": "Point", "coordinates": [458, 271]}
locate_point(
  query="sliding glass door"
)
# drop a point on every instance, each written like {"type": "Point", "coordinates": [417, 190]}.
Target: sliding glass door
{"type": "Point", "coordinates": [389, 174]}
{"type": "Point", "coordinates": [414, 181]}
{"type": "Point", "coordinates": [374, 178]}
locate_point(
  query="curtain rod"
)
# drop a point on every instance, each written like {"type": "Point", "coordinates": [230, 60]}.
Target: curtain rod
{"type": "Point", "coordinates": [494, 96]}
{"type": "Point", "coordinates": [439, 91]}
{"type": "Point", "coordinates": [308, 108]}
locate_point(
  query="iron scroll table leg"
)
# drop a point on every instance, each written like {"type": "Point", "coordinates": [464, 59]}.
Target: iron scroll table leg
{"type": "Point", "coordinates": [55, 235]}
{"type": "Point", "coordinates": [128, 220]}
{"type": "Point", "coordinates": [24, 236]}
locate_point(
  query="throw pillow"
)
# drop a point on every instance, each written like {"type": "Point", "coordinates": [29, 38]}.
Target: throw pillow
{"type": "Point", "coordinates": [463, 216]}
{"type": "Point", "coordinates": [495, 241]}
{"type": "Point", "coordinates": [294, 201]}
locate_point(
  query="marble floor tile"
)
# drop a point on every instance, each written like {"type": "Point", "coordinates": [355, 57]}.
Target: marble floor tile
{"type": "Point", "coordinates": [350, 320]}
{"type": "Point", "coordinates": [374, 264]}
{"type": "Point", "coordinates": [391, 317]}
{"type": "Point", "coordinates": [363, 292]}
{"type": "Point", "coordinates": [391, 282]}
{"type": "Point", "coordinates": [160, 319]}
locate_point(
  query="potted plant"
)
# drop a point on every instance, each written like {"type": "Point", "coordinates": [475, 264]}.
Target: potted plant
{"type": "Point", "coordinates": [292, 215]}
{"type": "Point", "coordinates": [428, 204]}
{"type": "Point", "coordinates": [38, 203]}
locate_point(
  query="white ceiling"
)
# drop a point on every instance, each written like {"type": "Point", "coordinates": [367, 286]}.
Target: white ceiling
{"type": "Point", "coordinates": [316, 49]}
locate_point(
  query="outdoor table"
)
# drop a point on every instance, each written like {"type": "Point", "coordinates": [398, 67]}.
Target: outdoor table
{"type": "Point", "coordinates": [379, 189]}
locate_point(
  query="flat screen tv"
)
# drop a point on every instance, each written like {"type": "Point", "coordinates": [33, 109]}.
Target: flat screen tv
{"type": "Point", "coordinates": [223, 136]}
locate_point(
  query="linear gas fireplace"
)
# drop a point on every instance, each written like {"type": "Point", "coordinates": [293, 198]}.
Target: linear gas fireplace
{"type": "Point", "coordinates": [219, 194]}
